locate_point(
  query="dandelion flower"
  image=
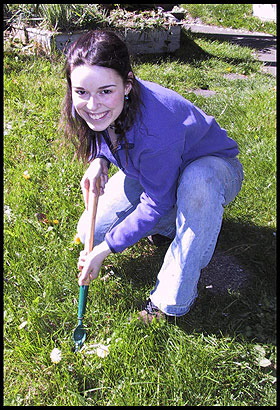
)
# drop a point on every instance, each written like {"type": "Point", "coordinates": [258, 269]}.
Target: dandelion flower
{"type": "Point", "coordinates": [55, 221]}
{"type": "Point", "coordinates": [77, 240]}
{"type": "Point", "coordinates": [26, 175]}
{"type": "Point", "coordinates": [55, 355]}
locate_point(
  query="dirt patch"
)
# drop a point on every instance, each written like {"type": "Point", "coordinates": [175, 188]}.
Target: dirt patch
{"type": "Point", "coordinates": [223, 273]}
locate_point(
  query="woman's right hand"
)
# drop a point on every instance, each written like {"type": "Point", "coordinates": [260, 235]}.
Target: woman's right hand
{"type": "Point", "coordinates": [89, 265]}
{"type": "Point", "coordinates": [97, 168]}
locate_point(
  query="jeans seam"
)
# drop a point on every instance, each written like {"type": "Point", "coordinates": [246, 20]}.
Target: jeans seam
{"type": "Point", "coordinates": [210, 245]}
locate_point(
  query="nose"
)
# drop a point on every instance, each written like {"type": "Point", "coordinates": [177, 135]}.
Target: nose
{"type": "Point", "coordinates": [93, 103]}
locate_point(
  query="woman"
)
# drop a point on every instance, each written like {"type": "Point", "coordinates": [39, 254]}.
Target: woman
{"type": "Point", "coordinates": [178, 168]}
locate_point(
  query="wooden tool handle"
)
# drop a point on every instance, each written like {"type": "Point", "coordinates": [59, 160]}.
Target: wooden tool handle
{"type": "Point", "coordinates": [92, 209]}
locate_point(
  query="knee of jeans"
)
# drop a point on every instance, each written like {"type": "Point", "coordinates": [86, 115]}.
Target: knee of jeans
{"type": "Point", "coordinates": [199, 190]}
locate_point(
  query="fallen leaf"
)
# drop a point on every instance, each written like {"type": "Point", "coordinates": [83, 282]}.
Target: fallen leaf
{"type": "Point", "coordinates": [264, 362]}
{"type": "Point", "coordinates": [99, 349]}
{"type": "Point", "coordinates": [42, 217]}
{"type": "Point", "coordinates": [22, 325]}
{"type": "Point", "coordinates": [102, 351]}
{"type": "Point", "coordinates": [259, 350]}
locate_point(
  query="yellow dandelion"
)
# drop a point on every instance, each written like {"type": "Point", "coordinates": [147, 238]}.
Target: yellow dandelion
{"type": "Point", "coordinates": [55, 221]}
{"type": "Point", "coordinates": [77, 240]}
{"type": "Point", "coordinates": [26, 175]}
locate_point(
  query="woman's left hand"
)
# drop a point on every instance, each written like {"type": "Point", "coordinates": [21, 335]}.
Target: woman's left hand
{"type": "Point", "coordinates": [90, 264]}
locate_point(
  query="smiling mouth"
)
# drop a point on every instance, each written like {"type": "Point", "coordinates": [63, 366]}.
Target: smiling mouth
{"type": "Point", "coordinates": [96, 117]}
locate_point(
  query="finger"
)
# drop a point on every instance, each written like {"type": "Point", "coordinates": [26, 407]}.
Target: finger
{"type": "Point", "coordinates": [82, 282]}
{"type": "Point", "coordinates": [104, 178]}
{"type": "Point", "coordinates": [82, 278]}
{"type": "Point", "coordinates": [103, 182]}
{"type": "Point", "coordinates": [93, 186]}
{"type": "Point", "coordinates": [101, 190]}
{"type": "Point", "coordinates": [81, 260]}
{"type": "Point", "coordinates": [80, 266]}
{"type": "Point", "coordinates": [85, 281]}
{"type": "Point", "coordinates": [86, 183]}
{"type": "Point", "coordinates": [83, 275]}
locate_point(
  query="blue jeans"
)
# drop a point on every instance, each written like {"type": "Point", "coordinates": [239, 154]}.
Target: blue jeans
{"type": "Point", "coordinates": [205, 186]}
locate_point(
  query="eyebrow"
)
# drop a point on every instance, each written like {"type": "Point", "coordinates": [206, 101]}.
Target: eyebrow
{"type": "Point", "coordinates": [106, 86]}
{"type": "Point", "coordinates": [99, 88]}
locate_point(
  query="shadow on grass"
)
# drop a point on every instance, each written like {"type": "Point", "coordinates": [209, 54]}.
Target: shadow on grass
{"type": "Point", "coordinates": [190, 52]}
{"type": "Point", "coordinates": [259, 42]}
{"type": "Point", "coordinates": [236, 291]}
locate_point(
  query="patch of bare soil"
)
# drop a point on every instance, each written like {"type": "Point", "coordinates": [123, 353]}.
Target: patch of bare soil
{"type": "Point", "coordinates": [223, 273]}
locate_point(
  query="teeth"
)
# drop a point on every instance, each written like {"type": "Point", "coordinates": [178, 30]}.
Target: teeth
{"type": "Point", "coordinates": [97, 116]}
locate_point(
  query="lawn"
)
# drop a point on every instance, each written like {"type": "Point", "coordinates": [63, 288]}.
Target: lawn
{"type": "Point", "coordinates": [237, 16]}
{"type": "Point", "coordinates": [223, 352]}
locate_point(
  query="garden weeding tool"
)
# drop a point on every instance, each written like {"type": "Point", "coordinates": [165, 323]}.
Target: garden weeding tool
{"type": "Point", "coordinates": [79, 334]}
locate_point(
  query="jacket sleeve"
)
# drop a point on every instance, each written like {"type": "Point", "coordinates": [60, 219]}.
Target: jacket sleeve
{"type": "Point", "coordinates": [158, 175]}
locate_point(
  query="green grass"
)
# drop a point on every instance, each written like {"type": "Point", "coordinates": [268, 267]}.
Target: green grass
{"type": "Point", "coordinates": [238, 16]}
{"type": "Point", "coordinates": [209, 357]}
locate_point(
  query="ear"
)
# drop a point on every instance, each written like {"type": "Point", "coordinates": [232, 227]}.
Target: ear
{"type": "Point", "coordinates": [128, 86]}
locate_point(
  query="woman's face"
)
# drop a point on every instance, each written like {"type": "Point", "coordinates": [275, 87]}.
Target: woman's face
{"type": "Point", "coordinates": [98, 95]}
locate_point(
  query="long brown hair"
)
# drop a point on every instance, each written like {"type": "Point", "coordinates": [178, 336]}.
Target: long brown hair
{"type": "Point", "coordinates": [102, 48]}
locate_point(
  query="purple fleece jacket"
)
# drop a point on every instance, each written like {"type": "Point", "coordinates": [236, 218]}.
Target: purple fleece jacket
{"type": "Point", "coordinates": [171, 133]}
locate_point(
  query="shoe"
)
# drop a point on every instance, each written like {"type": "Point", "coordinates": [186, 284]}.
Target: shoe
{"type": "Point", "coordinates": [150, 312]}
{"type": "Point", "coordinates": [159, 240]}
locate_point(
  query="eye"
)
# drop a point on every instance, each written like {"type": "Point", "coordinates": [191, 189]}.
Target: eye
{"type": "Point", "coordinates": [105, 92]}
{"type": "Point", "coordinates": [80, 92]}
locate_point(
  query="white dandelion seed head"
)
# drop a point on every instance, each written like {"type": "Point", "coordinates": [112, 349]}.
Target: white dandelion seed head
{"type": "Point", "coordinates": [55, 355]}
